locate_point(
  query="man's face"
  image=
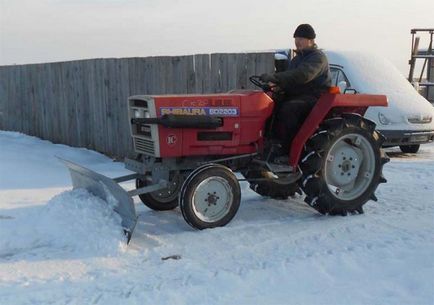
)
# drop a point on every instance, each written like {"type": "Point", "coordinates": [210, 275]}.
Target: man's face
{"type": "Point", "coordinates": [303, 43]}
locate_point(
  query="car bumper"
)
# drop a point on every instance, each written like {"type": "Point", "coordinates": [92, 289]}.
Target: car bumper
{"type": "Point", "coordinates": [407, 137]}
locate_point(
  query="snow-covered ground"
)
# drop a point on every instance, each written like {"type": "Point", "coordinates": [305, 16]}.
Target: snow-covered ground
{"type": "Point", "coordinates": [59, 246]}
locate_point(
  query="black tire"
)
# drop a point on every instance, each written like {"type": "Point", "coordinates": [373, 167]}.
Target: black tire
{"type": "Point", "coordinates": [342, 165]}
{"type": "Point", "coordinates": [270, 188]}
{"type": "Point", "coordinates": [210, 197]}
{"type": "Point", "coordinates": [409, 149]}
{"type": "Point", "coordinates": [165, 199]}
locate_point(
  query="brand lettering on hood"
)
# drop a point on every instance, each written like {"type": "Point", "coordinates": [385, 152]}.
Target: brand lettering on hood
{"type": "Point", "coordinates": [229, 111]}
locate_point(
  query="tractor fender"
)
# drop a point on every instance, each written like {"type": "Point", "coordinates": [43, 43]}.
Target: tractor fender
{"type": "Point", "coordinates": [345, 103]}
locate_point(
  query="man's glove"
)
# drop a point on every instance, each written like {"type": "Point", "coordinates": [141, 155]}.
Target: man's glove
{"type": "Point", "coordinates": [268, 78]}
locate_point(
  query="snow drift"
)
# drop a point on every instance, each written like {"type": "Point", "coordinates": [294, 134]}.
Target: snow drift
{"type": "Point", "coordinates": [72, 223]}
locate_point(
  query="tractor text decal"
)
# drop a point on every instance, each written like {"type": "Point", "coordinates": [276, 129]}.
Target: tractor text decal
{"type": "Point", "coordinates": [219, 111]}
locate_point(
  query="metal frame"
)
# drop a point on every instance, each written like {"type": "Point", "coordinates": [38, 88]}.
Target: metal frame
{"type": "Point", "coordinates": [428, 57]}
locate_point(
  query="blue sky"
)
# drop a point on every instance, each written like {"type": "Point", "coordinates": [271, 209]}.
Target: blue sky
{"type": "Point", "coordinates": [56, 30]}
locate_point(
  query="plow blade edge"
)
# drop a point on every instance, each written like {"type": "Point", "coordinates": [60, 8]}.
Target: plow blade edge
{"type": "Point", "coordinates": [106, 189]}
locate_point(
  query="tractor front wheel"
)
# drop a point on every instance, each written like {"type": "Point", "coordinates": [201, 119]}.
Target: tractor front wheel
{"type": "Point", "coordinates": [342, 165]}
{"type": "Point", "coordinates": [210, 197]}
{"type": "Point", "coordinates": [165, 199]}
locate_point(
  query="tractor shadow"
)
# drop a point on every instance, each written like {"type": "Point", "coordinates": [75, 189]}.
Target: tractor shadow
{"type": "Point", "coordinates": [160, 222]}
{"type": "Point", "coordinates": [396, 153]}
{"type": "Point", "coordinates": [257, 209]}
{"type": "Point", "coordinates": [254, 210]}
{"type": "Point", "coordinates": [400, 155]}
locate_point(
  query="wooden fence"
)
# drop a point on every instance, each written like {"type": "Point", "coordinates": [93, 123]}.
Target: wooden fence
{"type": "Point", "coordinates": [83, 103]}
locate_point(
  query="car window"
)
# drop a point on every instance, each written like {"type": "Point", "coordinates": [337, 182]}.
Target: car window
{"type": "Point", "coordinates": [334, 72]}
{"type": "Point", "coordinates": [337, 76]}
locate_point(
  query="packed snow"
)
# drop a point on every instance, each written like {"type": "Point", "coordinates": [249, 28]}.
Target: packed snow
{"type": "Point", "coordinates": [63, 246]}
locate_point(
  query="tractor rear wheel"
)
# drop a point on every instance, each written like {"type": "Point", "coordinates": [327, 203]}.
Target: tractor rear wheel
{"type": "Point", "coordinates": [210, 197]}
{"type": "Point", "coordinates": [342, 165]}
{"type": "Point", "coordinates": [165, 199]}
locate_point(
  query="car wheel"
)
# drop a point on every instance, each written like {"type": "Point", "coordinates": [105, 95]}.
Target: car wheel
{"type": "Point", "coordinates": [409, 149]}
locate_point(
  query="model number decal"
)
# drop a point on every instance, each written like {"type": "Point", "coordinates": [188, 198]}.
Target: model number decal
{"type": "Point", "coordinates": [218, 111]}
{"type": "Point", "coordinates": [223, 111]}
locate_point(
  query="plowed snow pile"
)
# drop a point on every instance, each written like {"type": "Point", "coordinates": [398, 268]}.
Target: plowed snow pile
{"type": "Point", "coordinates": [73, 222]}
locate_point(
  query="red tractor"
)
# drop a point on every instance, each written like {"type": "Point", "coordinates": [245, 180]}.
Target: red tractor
{"type": "Point", "coordinates": [189, 147]}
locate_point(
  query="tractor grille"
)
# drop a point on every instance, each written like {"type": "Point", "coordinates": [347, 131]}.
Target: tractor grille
{"type": "Point", "coordinates": [145, 136]}
{"type": "Point", "coordinates": [144, 146]}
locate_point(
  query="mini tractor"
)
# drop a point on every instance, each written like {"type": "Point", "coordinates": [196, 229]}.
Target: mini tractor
{"type": "Point", "coordinates": [189, 146]}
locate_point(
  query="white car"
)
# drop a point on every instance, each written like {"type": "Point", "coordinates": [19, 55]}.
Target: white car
{"type": "Point", "coordinates": [408, 120]}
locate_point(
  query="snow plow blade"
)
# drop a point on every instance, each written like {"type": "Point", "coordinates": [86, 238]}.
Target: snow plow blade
{"type": "Point", "coordinates": [108, 190]}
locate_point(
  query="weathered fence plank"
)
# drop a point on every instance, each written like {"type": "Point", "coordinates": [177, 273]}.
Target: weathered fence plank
{"type": "Point", "coordinates": [216, 80]}
{"type": "Point", "coordinates": [202, 75]}
{"type": "Point", "coordinates": [84, 103]}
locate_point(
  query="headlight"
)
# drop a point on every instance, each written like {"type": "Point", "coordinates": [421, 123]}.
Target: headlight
{"type": "Point", "coordinates": [383, 119]}
{"type": "Point", "coordinates": [139, 114]}
{"type": "Point", "coordinates": [420, 119]}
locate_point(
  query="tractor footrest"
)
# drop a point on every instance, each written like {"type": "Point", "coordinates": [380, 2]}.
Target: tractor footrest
{"type": "Point", "coordinates": [279, 168]}
{"type": "Point", "coordinates": [275, 167]}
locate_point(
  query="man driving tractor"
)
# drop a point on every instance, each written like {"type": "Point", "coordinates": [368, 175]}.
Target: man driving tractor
{"type": "Point", "coordinates": [189, 160]}
{"type": "Point", "coordinates": [297, 89]}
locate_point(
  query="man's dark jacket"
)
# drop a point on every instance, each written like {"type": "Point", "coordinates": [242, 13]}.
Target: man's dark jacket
{"type": "Point", "coordinates": [308, 74]}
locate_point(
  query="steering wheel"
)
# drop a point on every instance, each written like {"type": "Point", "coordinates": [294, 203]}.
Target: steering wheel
{"type": "Point", "coordinates": [256, 80]}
